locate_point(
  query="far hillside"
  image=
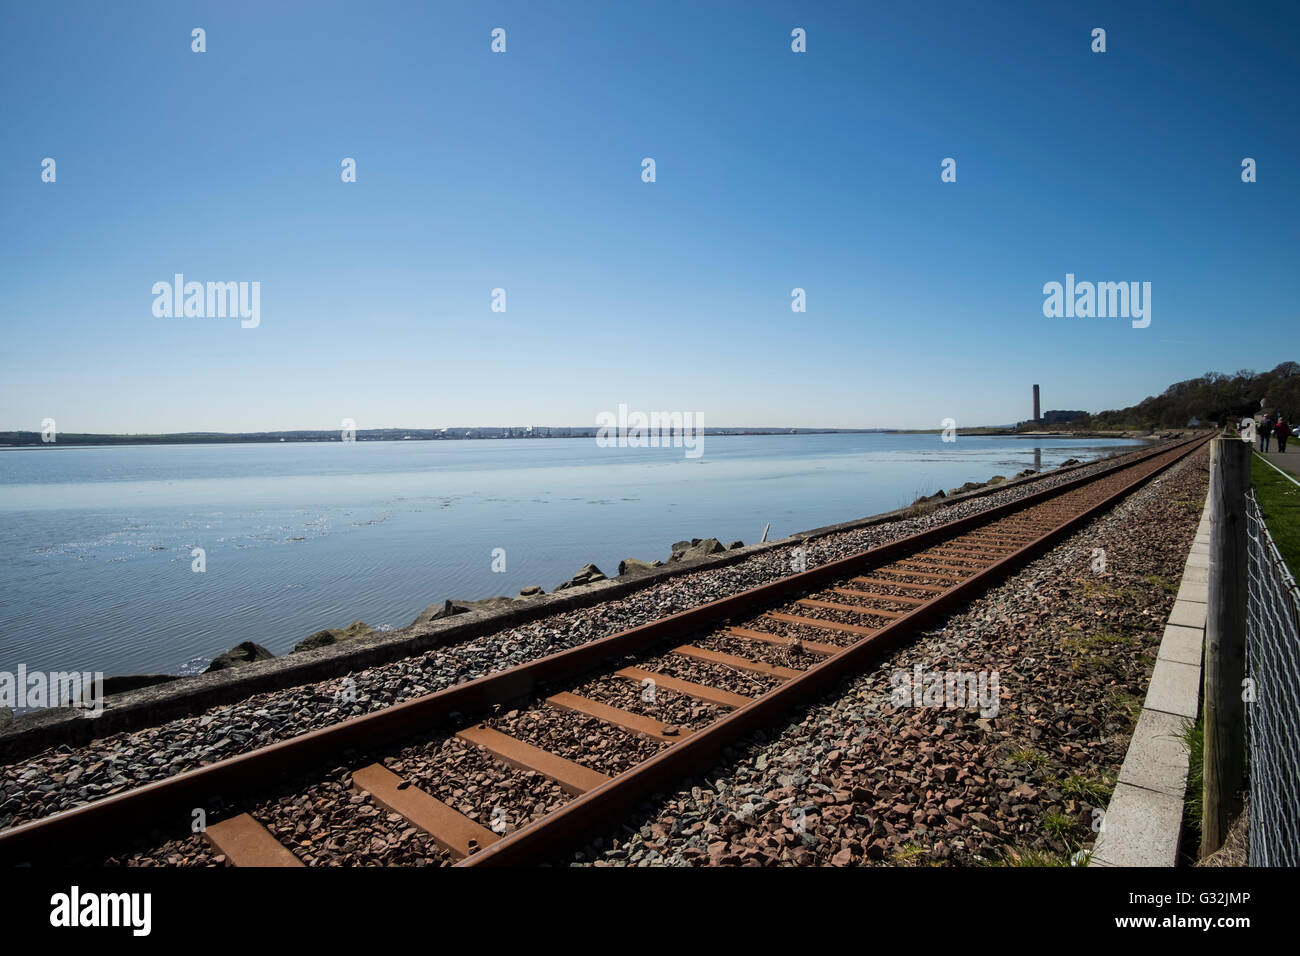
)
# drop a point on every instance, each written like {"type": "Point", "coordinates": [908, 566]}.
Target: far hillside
{"type": "Point", "coordinates": [1211, 399]}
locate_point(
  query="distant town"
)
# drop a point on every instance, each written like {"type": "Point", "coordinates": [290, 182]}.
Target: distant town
{"type": "Point", "coordinates": [20, 438]}
{"type": "Point", "coordinates": [1069, 421]}
{"type": "Point", "coordinates": [33, 438]}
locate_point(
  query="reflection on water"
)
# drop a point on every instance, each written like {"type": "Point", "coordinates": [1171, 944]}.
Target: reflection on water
{"type": "Point", "coordinates": [97, 544]}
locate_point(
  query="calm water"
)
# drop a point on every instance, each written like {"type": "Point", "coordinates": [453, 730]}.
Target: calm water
{"type": "Point", "coordinates": [95, 543]}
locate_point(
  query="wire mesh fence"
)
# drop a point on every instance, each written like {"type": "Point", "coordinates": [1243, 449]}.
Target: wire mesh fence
{"type": "Point", "coordinates": [1273, 719]}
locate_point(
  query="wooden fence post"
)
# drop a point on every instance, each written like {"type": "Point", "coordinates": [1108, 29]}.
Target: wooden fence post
{"type": "Point", "coordinates": [1225, 642]}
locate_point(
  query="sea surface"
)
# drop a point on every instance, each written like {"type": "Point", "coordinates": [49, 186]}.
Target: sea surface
{"type": "Point", "coordinates": [96, 543]}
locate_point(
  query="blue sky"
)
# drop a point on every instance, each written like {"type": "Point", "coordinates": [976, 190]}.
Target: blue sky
{"type": "Point", "coordinates": [522, 170]}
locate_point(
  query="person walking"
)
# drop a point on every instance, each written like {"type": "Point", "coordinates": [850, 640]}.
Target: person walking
{"type": "Point", "coordinates": [1281, 431]}
{"type": "Point", "coordinates": [1264, 429]}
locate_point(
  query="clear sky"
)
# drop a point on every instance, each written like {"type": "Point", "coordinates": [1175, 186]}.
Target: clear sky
{"type": "Point", "coordinates": [522, 170]}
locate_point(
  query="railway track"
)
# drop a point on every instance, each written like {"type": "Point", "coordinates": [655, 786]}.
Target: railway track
{"type": "Point", "coordinates": [585, 734]}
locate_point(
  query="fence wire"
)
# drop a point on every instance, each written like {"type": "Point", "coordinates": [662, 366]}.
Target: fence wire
{"type": "Point", "coordinates": [1273, 720]}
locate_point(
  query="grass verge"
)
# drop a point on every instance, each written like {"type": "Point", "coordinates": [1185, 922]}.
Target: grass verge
{"type": "Point", "coordinates": [1279, 499]}
{"type": "Point", "coordinates": [1194, 740]}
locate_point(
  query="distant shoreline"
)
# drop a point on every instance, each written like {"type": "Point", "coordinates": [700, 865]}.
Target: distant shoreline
{"type": "Point", "coordinates": [12, 440]}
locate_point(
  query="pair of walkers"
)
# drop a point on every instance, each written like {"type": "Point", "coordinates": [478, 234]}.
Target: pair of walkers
{"type": "Point", "coordinates": [1279, 430]}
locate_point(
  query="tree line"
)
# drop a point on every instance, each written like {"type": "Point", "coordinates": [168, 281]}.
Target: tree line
{"type": "Point", "coordinates": [1212, 399]}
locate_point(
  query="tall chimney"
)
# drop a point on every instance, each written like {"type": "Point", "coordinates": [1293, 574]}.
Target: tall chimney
{"type": "Point", "coordinates": [1037, 416]}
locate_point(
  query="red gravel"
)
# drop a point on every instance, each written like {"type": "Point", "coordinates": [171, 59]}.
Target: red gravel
{"type": "Point", "coordinates": [667, 706]}
{"type": "Point", "coordinates": [470, 781]}
{"type": "Point", "coordinates": [584, 740]}
{"type": "Point", "coordinates": [713, 675]}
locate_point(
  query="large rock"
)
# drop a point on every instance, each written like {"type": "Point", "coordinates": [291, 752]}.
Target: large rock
{"type": "Point", "coordinates": [240, 654]}
{"type": "Point", "coordinates": [587, 574]}
{"type": "Point", "coordinates": [533, 590]}
{"type": "Point", "coordinates": [734, 545]}
{"type": "Point", "coordinates": [695, 548]}
{"type": "Point", "coordinates": [331, 636]}
{"type": "Point", "coordinates": [453, 607]}
{"type": "Point", "coordinates": [633, 566]}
